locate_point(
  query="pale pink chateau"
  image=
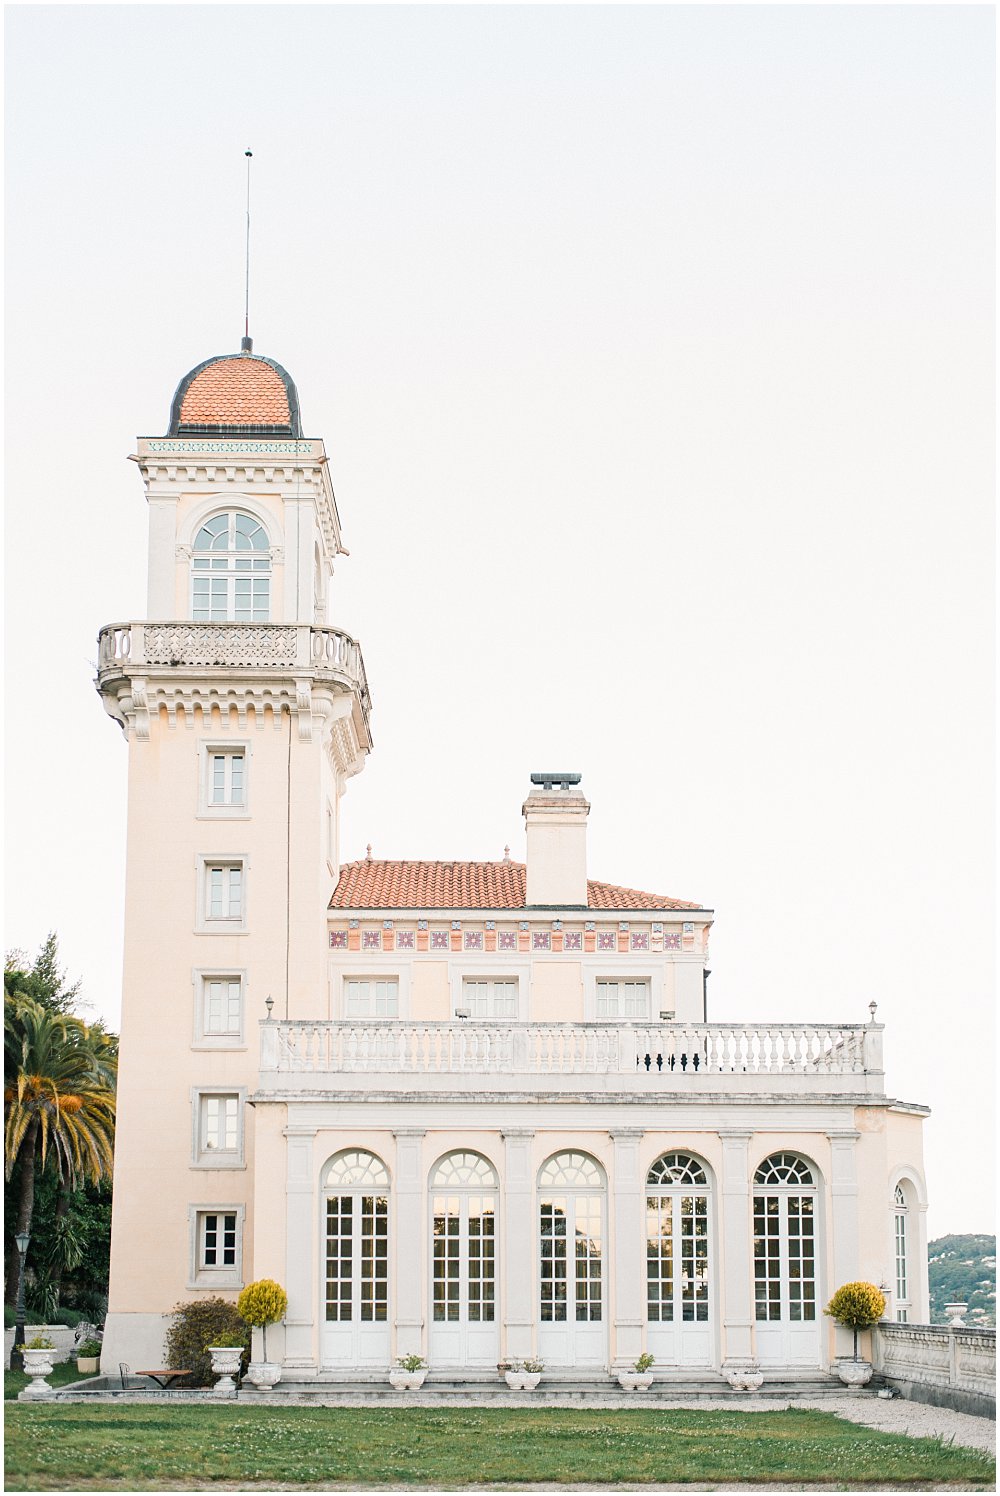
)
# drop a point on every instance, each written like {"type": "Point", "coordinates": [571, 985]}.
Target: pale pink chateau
{"type": "Point", "coordinates": [473, 1110]}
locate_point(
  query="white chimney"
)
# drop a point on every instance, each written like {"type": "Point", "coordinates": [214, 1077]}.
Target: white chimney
{"type": "Point", "coordinates": [555, 819]}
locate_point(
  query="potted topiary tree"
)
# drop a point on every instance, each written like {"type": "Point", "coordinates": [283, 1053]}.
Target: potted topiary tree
{"type": "Point", "coordinates": [858, 1306]}
{"type": "Point", "coordinates": [261, 1304]}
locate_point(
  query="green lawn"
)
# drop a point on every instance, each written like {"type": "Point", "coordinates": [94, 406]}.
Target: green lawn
{"type": "Point", "coordinates": [143, 1448]}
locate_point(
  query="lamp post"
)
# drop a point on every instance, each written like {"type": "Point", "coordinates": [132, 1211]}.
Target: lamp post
{"type": "Point", "coordinates": [16, 1358]}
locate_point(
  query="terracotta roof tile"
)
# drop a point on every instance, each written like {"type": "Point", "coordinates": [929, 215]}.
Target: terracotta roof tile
{"type": "Point", "coordinates": [379, 884]}
{"type": "Point", "coordinates": [238, 391]}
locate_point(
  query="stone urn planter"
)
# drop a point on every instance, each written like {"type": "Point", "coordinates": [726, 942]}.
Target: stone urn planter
{"type": "Point", "coordinates": [956, 1315]}
{"type": "Point", "coordinates": [635, 1381]}
{"type": "Point", "coordinates": [406, 1381]}
{"type": "Point", "coordinates": [854, 1372]}
{"type": "Point", "coordinates": [38, 1365]}
{"type": "Point", "coordinates": [264, 1374]}
{"type": "Point", "coordinates": [743, 1376]}
{"type": "Point", "coordinates": [226, 1366]}
{"type": "Point", "coordinates": [525, 1377]}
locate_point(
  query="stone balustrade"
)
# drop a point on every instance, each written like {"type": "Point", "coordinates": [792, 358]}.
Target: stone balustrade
{"type": "Point", "coordinates": [299, 648]}
{"type": "Point", "coordinates": [626, 1057]}
{"type": "Point", "coordinates": [955, 1366]}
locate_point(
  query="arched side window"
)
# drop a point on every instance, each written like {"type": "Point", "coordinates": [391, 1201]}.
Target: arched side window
{"type": "Point", "coordinates": [357, 1239]}
{"type": "Point", "coordinates": [784, 1218]}
{"type": "Point", "coordinates": [464, 1171]}
{"type": "Point", "coordinates": [901, 1244]}
{"type": "Point", "coordinates": [571, 1171]}
{"type": "Point", "coordinates": [463, 1244]}
{"type": "Point", "coordinates": [231, 570]}
{"type": "Point", "coordinates": [676, 1246]}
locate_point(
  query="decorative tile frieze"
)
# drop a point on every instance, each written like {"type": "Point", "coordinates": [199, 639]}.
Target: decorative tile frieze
{"type": "Point", "coordinates": [507, 940]}
{"type": "Point", "coordinates": [640, 941]}
{"type": "Point", "coordinates": [473, 940]}
{"type": "Point", "coordinates": [541, 940]}
{"type": "Point", "coordinates": [440, 940]}
{"type": "Point", "coordinates": [573, 940]}
{"type": "Point", "coordinates": [338, 940]}
{"type": "Point", "coordinates": [606, 940]}
{"type": "Point", "coordinates": [672, 941]}
{"type": "Point", "coordinates": [290, 448]}
{"type": "Point", "coordinates": [371, 940]}
{"type": "Point", "coordinates": [405, 940]}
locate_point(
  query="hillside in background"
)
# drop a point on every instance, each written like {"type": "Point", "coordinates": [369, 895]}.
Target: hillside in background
{"type": "Point", "coordinates": [963, 1269]}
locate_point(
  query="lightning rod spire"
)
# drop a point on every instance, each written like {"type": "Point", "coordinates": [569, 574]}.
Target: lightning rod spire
{"type": "Point", "coordinates": [247, 344]}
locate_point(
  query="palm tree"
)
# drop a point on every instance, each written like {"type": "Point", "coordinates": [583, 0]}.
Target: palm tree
{"type": "Point", "coordinates": [59, 1095]}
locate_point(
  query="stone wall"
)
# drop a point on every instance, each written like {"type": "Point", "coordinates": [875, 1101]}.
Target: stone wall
{"type": "Point", "coordinates": [948, 1366]}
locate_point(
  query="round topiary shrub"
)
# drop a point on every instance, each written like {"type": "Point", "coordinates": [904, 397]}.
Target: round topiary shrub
{"type": "Point", "coordinates": [858, 1306]}
{"type": "Point", "coordinates": [263, 1303]}
{"type": "Point", "coordinates": [194, 1326]}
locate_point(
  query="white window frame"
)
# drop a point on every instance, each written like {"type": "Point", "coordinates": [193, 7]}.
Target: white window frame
{"type": "Point", "coordinates": [232, 573]}
{"type": "Point", "coordinates": [622, 970]}
{"type": "Point", "coordinates": [373, 980]}
{"type": "Point", "coordinates": [226, 924]}
{"type": "Point", "coordinates": [226, 1275]}
{"type": "Point", "coordinates": [902, 1213]}
{"type": "Point", "coordinates": [478, 966]}
{"type": "Point", "coordinates": [491, 982]}
{"type": "Point", "coordinates": [205, 1038]}
{"type": "Point", "coordinates": [207, 752]}
{"type": "Point", "coordinates": [623, 983]}
{"type": "Point", "coordinates": [218, 1158]}
{"type": "Point", "coordinates": [361, 966]}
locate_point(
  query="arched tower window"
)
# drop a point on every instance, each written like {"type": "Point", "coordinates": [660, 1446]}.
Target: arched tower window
{"type": "Point", "coordinates": [231, 571]}
{"type": "Point", "coordinates": [901, 1242]}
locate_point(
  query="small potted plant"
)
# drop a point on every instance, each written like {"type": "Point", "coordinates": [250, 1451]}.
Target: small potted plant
{"type": "Point", "coordinates": [858, 1306]}
{"type": "Point", "coordinates": [261, 1304]}
{"type": "Point", "coordinates": [639, 1377]}
{"type": "Point", "coordinates": [226, 1354]}
{"type": "Point", "coordinates": [38, 1365]}
{"type": "Point", "coordinates": [408, 1373]}
{"type": "Point", "coordinates": [88, 1356]}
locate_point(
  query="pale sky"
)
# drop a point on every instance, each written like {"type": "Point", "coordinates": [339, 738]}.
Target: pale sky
{"type": "Point", "coordinates": [653, 351]}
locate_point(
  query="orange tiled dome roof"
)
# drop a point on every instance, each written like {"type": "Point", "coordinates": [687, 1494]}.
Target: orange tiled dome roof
{"type": "Point", "coordinates": [236, 394]}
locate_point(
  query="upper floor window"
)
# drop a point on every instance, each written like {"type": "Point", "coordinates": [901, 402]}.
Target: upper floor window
{"type": "Point", "coordinates": [489, 998]}
{"type": "Point", "coordinates": [375, 997]}
{"type": "Point", "coordinates": [623, 999]}
{"type": "Point", "coordinates": [231, 571]}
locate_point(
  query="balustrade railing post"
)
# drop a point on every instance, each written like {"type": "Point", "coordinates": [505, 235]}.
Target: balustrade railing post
{"type": "Point", "coordinates": [873, 1048]}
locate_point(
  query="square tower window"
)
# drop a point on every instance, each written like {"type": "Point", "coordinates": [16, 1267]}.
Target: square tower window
{"type": "Point", "coordinates": [216, 1237]}
{"type": "Point", "coordinates": [219, 1005]}
{"type": "Point", "coordinates": [218, 1136]}
{"type": "Point", "coordinates": [223, 894]}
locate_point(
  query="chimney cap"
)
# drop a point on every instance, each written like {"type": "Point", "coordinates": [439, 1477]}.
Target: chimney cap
{"type": "Point", "coordinates": [556, 781]}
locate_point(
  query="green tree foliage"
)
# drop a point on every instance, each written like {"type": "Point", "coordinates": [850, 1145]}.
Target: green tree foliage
{"type": "Point", "coordinates": [196, 1325]}
{"type": "Point", "coordinates": [59, 1116]}
{"type": "Point", "coordinates": [963, 1269]}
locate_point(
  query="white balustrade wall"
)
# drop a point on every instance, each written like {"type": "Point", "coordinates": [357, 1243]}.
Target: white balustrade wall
{"type": "Point", "coordinates": [938, 1357]}
{"type": "Point", "coordinates": [670, 1050]}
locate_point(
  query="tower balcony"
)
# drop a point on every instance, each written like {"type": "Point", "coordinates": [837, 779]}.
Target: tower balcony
{"type": "Point", "coordinates": [628, 1061]}
{"type": "Point", "coordinates": [184, 666]}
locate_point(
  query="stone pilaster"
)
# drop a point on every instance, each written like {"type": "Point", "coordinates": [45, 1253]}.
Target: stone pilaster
{"type": "Point", "coordinates": [409, 1234]}
{"type": "Point", "coordinates": [302, 1318]}
{"type": "Point", "coordinates": [845, 1265]}
{"type": "Point", "coordinates": [519, 1274]}
{"type": "Point", "coordinates": [736, 1249]}
{"type": "Point", "coordinates": [627, 1246]}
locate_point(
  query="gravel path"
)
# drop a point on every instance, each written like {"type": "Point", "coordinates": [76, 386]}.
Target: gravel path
{"type": "Point", "coordinates": [919, 1419]}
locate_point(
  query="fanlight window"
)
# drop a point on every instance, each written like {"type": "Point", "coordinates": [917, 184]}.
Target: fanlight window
{"type": "Point", "coordinates": [571, 1171]}
{"type": "Point", "coordinates": [355, 1166]}
{"type": "Point", "coordinates": [784, 1168]}
{"type": "Point", "coordinates": [464, 1170]}
{"type": "Point", "coordinates": [676, 1168]}
{"type": "Point", "coordinates": [231, 570]}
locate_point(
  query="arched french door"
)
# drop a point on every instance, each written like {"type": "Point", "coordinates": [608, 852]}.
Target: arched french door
{"type": "Point", "coordinates": [784, 1248]}
{"type": "Point", "coordinates": [356, 1256]}
{"type": "Point", "coordinates": [572, 1328]}
{"type": "Point", "coordinates": [678, 1298]}
{"type": "Point", "coordinates": [465, 1325]}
